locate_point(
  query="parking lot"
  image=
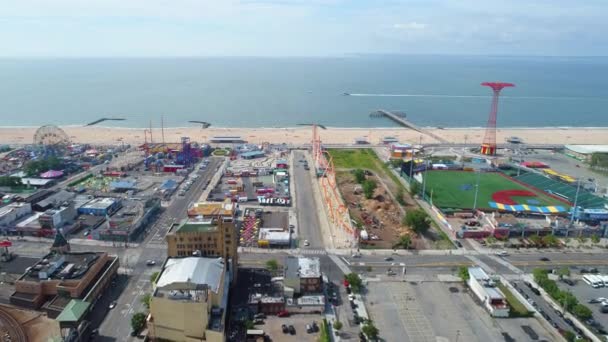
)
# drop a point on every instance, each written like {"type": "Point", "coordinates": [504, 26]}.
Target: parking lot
{"type": "Point", "coordinates": [273, 327]}
{"type": "Point", "coordinates": [584, 293]}
{"type": "Point", "coordinates": [432, 311]}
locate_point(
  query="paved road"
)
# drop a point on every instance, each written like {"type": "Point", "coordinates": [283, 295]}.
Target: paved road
{"type": "Point", "coordinates": [117, 326]}
{"type": "Point", "coordinates": [307, 211]}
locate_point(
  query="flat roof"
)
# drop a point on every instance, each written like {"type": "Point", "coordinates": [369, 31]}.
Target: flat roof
{"type": "Point", "coordinates": [588, 149]}
{"type": "Point", "coordinates": [196, 226]}
{"type": "Point", "coordinates": [100, 203]}
{"type": "Point", "coordinates": [301, 267]}
{"type": "Point", "coordinates": [478, 273]}
{"type": "Point", "coordinates": [212, 208]}
{"type": "Point", "coordinates": [191, 273]}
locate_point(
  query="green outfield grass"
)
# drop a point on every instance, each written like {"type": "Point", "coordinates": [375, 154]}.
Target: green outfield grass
{"type": "Point", "coordinates": [446, 187]}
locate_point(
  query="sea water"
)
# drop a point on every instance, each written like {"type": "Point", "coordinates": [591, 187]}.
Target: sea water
{"type": "Point", "coordinates": [279, 92]}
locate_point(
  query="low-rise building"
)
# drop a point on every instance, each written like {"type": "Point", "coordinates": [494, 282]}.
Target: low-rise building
{"type": "Point", "coordinates": [274, 237]}
{"type": "Point", "coordinates": [57, 278]}
{"type": "Point", "coordinates": [303, 275]}
{"type": "Point", "coordinates": [190, 300]}
{"type": "Point", "coordinates": [56, 200]}
{"type": "Point", "coordinates": [487, 293]}
{"type": "Point", "coordinates": [207, 210]}
{"type": "Point", "coordinates": [13, 212]}
{"type": "Point", "coordinates": [128, 221]}
{"type": "Point", "coordinates": [57, 218]}
{"type": "Point", "coordinates": [103, 206]}
{"type": "Point", "coordinates": [204, 237]}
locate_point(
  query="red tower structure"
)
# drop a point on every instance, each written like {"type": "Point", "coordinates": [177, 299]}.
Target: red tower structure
{"type": "Point", "coordinates": [488, 147]}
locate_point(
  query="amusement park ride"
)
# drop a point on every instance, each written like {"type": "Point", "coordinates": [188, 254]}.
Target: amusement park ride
{"type": "Point", "coordinates": [488, 147]}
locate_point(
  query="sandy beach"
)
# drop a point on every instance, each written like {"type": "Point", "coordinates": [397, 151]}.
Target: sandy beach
{"type": "Point", "coordinates": [301, 135]}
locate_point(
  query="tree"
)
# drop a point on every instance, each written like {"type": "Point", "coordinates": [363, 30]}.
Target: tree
{"type": "Point", "coordinates": [563, 272]}
{"type": "Point", "coordinates": [415, 187]}
{"type": "Point", "coordinates": [463, 273]}
{"type": "Point", "coordinates": [368, 188]}
{"type": "Point", "coordinates": [355, 282]}
{"type": "Point", "coordinates": [154, 277]}
{"type": "Point", "coordinates": [582, 312]}
{"type": "Point", "coordinates": [418, 220]}
{"type": "Point", "coordinates": [138, 321]}
{"type": "Point", "coordinates": [359, 176]}
{"type": "Point", "coordinates": [550, 240]}
{"type": "Point", "coordinates": [370, 330]}
{"type": "Point", "coordinates": [570, 336]}
{"type": "Point", "coordinates": [10, 181]}
{"type": "Point", "coordinates": [272, 265]}
{"type": "Point", "coordinates": [249, 324]}
{"type": "Point", "coordinates": [337, 325]}
{"type": "Point", "coordinates": [145, 300]}
{"type": "Point", "coordinates": [405, 242]}
{"type": "Point", "coordinates": [595, 238]}
{"type": "Point", "coordinates": [568, 300]}
{"type": "Point", "coordinates": [35, 167]}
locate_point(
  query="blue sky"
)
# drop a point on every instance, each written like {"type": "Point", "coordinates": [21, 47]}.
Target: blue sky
{"type": "Point", "coordinates": [77, 28]}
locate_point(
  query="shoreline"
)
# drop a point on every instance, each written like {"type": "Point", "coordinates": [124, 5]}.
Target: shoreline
{"type": "Point", "coordinates": [299, 135]}
{"type": "Point", "coordinates": [301, 127]}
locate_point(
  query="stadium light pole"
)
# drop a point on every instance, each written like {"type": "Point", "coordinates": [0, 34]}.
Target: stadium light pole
{"type": "Point", "coordinates": [476, 192]}
{"type": "Point", "coordinates": [578, 188]}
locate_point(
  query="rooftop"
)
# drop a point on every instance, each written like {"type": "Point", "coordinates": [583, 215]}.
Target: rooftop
{"type": "Point", "coordinates": [588, 149]}
{"type": "Point", "coordinates": [302, 267]}
{"type": "Point", "coordinates": [100, 203]}
{"type": "Point", "coordinates": [191, 273]}
{"type": "Point", "coordinates": [56, 199]}
{"type": "Point", "coordinates": [197, 226]}
{"type": "Point", "coordinates": [73, 311]}
{"type": "Point", "coordinates": [72, 265]}
{"type": "Point", "coordinates": [212, 209]}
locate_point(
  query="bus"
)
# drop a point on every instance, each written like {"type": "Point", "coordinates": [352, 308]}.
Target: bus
{"type": "Point", "coordinates": [592, 281]}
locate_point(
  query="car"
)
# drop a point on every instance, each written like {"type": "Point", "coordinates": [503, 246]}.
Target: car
{"type": "Point", "coordinates": [351, 297]}
{"type": "Point", "coordinates": [569, 281]}
{"type": "Point", "coordinates": [458, 244]}
{"type": "Point", "coordinates": [309, 329]}
{"type": "Point", "coordinates": [390, 273]}
{"type": "Point", "coordinates": [283, 313]}
{"type": "Point", "coordinates": [306, 243]}
{"type": "Point", "coordinates": [133, 333]}
{"type": "Point", "coordinates": [388, 259]}
{"type": "Point", "coordinates": [150, 262]}
{"type": "Point", "coordinates": [306, 167]}
{"type": "Point", "coordinates": [260, 315]}
{"type": "Point", "coordinates": [112, 305]}
{"type": "Point", "coordinates": [315, 326]}
{"type": "Point", "coordinates": [503, 254]}
{"type": "Point", "coordinates": [584, 270]}
{"type": "Point", "coordinates": [593, 270]}
{"type": "Point", "coordinates": [569, 321]}
{"type": "Point", "coordinates": [593, 301]}
{"type": "Point", "coordinates": [544, 259]}
{"type": "Point", "coordinates": [284, 329]}
{"type": "Point", "coordinates": [86, 233]}
{"type": "Point", "coordinates": [258, 321]}
{"type": "Point", "coordinates": [291, 226]}
{"type": "Point", "coordinates": [95, 332]}
{"type": "Point", "coordinates": [292, 330]}
{"type": "Point", "coordinates": [356, 255]}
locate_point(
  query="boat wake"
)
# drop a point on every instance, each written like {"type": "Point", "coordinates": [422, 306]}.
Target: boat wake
{"type": "Point", "coordinates": [481, 96]}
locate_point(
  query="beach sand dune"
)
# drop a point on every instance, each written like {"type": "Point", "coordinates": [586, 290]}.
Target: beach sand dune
{"type": "Point", "coordinates": [302, 135]}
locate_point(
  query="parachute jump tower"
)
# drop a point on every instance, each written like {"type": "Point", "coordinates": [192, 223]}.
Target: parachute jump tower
{"type": "Point", "coordinates": [488, 147]}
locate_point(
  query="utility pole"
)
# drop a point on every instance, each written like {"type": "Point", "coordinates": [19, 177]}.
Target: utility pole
{"type": "Point", "coordinates": [162, 128]}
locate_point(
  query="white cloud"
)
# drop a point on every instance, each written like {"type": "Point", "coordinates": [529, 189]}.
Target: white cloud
{"type": "Point", "coordinates": [410, 26]}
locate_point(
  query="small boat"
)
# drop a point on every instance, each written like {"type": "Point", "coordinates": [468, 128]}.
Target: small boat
{"type": "Point", "coordinates": [346, 94]}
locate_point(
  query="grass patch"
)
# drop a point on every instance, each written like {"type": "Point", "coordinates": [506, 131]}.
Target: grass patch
{"type": "Point", "coordinates": [363, 158]}
{"type": "Point", "coordinates": [456, 189]}
{"type": "Point", "coordinates": [83, 179]}
{"type": "Point", "coordinates": [219, 152]}
{"type": "Point", "coordinates": [324, 336]}
{"type": "Point", "coordinates": [517, 308]}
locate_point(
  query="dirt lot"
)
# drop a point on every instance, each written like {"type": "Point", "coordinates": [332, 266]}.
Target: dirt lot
{"type": "Point", "coordinates": [380, 215]}
{"type": "Point", "coordinates": [272, 327]}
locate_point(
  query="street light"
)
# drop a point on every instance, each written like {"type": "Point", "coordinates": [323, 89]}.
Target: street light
{"type": "Point", "coordinates": [578, 187]}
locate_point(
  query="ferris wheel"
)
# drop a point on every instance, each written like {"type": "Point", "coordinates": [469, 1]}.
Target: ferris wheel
{"type": "Point", "coordinates": [50, 135]}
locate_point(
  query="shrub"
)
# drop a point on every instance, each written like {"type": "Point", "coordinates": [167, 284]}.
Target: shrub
{"type": "Point", "coordinates": [359, 176]}
{"type": "Point", "coordinates": [463, 273]}
{"type": "Point", "coordinates": [369, 186]}
{"type": "Point", "coordinates": [418, 220]}
{"type": "Point", "coordinates": [337, 325]}
{"type": "Point", "coordinates": [355, 282]}
{"type": "Point", "coordinates": [405, 242]}
{"type": "Point", "coordinates": [582, 312]}
{"type": "Point", "coordinates": [138, 321]}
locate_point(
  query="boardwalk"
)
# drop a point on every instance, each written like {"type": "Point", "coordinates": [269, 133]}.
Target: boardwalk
{"type": "Point", "coordinates": [402, 121]}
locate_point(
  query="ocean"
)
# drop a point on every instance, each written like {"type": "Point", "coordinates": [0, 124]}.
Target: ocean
{"type": "Point", "coordinates": [282, 92]}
